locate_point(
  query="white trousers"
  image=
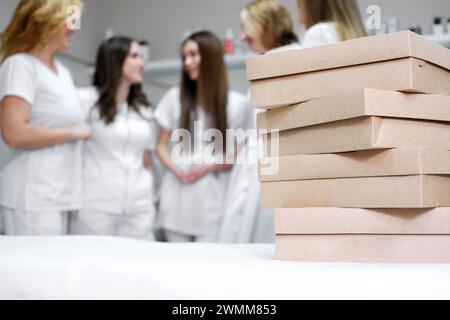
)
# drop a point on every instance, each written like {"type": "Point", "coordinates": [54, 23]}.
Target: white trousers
{"type": "Point", "coordinates": [92, 222]}
{"type": "Point", "coordinates": [36, 223]}
{"type": "Point", "coordinates": [176, 237]}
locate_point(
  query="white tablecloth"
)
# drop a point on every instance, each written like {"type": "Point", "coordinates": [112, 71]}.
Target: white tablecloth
{"type": "Point", "coordinates": [113, 268]}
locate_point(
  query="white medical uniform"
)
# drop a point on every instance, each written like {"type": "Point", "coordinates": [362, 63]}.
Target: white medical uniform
{"type": "Point", "coordinates": [118, 192]}
{"type": "Point", "coordinates": [242, 204]}
{"type": "Point", "coordinates": [320, 34]}
{"type": "Point", "coordinates": [196, 210]}
{"type": "Point", "coordinates": [39, 187]}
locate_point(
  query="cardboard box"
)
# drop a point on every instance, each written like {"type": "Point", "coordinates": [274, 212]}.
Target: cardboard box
{"type": "Point", "coordinates": [373, 163]}
{"type": "Point", "coordinates": [348, 53]}
{"type": "Point", "coordinates": [347, 221]}
{"type": "Point", "coordinates": [421, 191]}
{"type": "Point", "coordinates": [365, 102]}
{"type": "Point", "coordinates": [364, 133]}
{"type": "Point", "coordinates": [407, 74]}
{"type": "Point", "coordinates": [364, 248]}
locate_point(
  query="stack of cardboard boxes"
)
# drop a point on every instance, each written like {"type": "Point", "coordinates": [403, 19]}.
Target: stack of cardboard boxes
{"type": "Point", "coordinates": [362, 151]}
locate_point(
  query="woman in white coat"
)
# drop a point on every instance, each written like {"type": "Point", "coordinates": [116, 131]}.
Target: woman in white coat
{"type": "Point", "coordinates": [267, 28]}
{"type": "Point", "coordinates": [192, 193]}
{"type": "Point", "coordinates": [41, 121]}
{"type": "Point", "coordinates": [117, 182]}
{"type": "Point", "coordinates": [330, 21]}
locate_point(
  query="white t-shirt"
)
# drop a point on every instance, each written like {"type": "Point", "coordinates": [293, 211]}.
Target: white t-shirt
{"type": "Point", "coordinates": [114, 177]}
{"type": "Point", "coordinates": [320, 34]}
{"type": "Point", "coordinates": [196, 209]}
{"type": "Point", "coordinates": [44, 179]}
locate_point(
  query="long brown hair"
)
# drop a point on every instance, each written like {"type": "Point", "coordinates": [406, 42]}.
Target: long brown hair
{"type": "Point", "coordinates": [345, 13]}
{"type": "Point", "coordinates": [210, 91]}
{"type": "Point", "coordinates": [108, 74]}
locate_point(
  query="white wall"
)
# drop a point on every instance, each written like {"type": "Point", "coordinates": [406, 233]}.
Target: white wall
{"type": "Point", "coordinates": [411, 11]}
{"type": "Point", "coordinates": [163, 21]}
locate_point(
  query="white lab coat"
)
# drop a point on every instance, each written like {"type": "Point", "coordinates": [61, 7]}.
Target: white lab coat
{"type": "Point", "coordinates": [320, 34]}
{"type": "Point", "coordinates": [195, 209]}
{"type": "Point", "coordinates": [243, 197]}
{"type": "Point", "coordinates": [46, 179]}
{"type": "Point", "coordinates": [115, 180]}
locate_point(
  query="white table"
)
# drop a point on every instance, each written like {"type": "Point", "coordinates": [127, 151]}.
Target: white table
{"type": "Point", "coordinates": [113, 268]}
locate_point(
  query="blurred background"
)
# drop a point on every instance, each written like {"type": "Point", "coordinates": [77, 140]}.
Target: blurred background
{"type": "Point", "coordinates": [162, 23]}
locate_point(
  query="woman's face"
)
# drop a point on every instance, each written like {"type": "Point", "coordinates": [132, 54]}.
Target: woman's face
{"type": "Point", "coordinates": [192, 59]}
{"type": "Point", "coordinates": [133, 67]}
{"type": "Point", "coordinates": [61, 41]}
{"type": "Point", "coordinates": [253, 37]}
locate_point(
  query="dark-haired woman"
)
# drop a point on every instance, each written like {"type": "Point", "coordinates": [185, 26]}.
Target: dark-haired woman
{"type": "Point", "coordinates": [118, 187]}
{"type": "Point", "coordinates": [192, 192]}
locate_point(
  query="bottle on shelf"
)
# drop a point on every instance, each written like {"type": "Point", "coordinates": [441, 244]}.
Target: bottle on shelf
{"type": "Point", "coordinates": [392, 24]}
{"type": "Point", "coordinates": [438, 26]}
{"type": "Point", "coordinates": [145, 50]}
{"type": "Point", "coordinates": [229, 41]}
{"type": "Point", "coordinates": [109, 33]}
{"type": "Point", "coordinates": [415, 28]}
{"type": "Point", "coordinates": [383, 28]}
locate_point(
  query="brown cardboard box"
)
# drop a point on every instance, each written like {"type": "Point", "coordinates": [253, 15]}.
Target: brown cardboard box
{"type": "Point", "coordinates": [421, 191]}
{"type": "Point", "coordinates": [334, 221]}
{"type": "Point", "coordinates": [373, 163]}
{"type": "Point", "coordinates": [364, 133]}
{"type": "Point", "coordinates": [407, 74]}
{"type": "Point", "coordinates": [348, 53]}
{"type": "Point", "coordinates": [364, 248]}
{"type": "Point", "coordinates": [365, 102]}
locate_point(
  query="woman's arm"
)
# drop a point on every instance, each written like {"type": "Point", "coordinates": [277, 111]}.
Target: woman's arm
{"type": "Point", "coordinates": [198, 172]}
{"type": "Point", "coordinates": [19, 133]}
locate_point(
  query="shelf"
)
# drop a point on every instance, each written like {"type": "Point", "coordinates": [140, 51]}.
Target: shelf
{"type": "Point", "coordinates": [170, 67]}
{"type": "Point", "coordinates": [443, 39]}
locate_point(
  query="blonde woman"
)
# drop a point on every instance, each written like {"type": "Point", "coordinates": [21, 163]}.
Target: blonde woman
{"type": "Point", "coordinates": [41, 121]}
{"type": "Point", "coordinates": [267, 27]}
{"type": "Point", "coordinates": [330, 21]}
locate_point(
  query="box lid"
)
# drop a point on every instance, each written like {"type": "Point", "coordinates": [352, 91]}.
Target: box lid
{"type": "Point", "coordinates": [371, 163]}
{"type": "Point", "coordinates": [348, 53]}
{"type": "Point", "coordinates": [362, 221]}
{"type": "Point", "coordinates": [365, 102]}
